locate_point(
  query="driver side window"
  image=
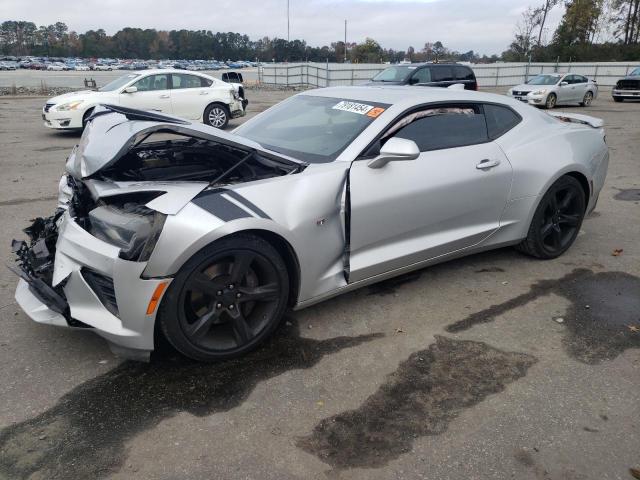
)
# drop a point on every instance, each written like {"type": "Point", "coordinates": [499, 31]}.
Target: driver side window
{"type": "Point", "coordinates": [421, 76]}
{"type": "Point", "coordinates": [152, 82]}
{"type": "Point", "coordinates": [442, 127]}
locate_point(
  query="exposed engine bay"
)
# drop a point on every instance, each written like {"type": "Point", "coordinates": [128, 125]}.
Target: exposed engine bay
{"type": "Point", "coordinates": [193, 159]}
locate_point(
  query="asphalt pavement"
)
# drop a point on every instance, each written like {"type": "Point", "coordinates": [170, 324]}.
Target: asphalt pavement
{"type": "Point", "coordinates": [494, 366]}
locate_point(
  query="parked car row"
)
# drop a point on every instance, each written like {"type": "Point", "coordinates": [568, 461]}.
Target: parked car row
{"type": "Point", "coordinates": [101, 64]}
{"type": "Point", "coordinates": [544, 90]}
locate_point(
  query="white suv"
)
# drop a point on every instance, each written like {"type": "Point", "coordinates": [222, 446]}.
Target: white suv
{"type": "Point", "coordinates": [190, 95]}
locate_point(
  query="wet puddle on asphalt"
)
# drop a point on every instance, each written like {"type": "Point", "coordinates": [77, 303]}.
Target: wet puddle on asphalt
{"type": "Point", "coordinates": [429, 389]}
{"type": "Point", "coordinates": [602, 321]}
{"type": "Point", "coordinates": [83, 436]}
{"type": "Point", "coordinates": [425, 393]}
{"type": "Point", "coordinates": [629, 195]}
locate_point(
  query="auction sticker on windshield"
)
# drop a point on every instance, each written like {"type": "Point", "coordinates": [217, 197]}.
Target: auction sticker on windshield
{"type": "Point", "coordinates": [353, 107]}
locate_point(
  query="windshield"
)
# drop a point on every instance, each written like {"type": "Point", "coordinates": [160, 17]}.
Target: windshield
{"type": "Point", "coordinates": [394, 74]}
{"type": "Point", "coordinates": [312, 129]}
{"type": "Point", "coordinates": [635, 72]}
{"type": "Point", "coordinates": [118, 82]}
{"type": "Point", "coordinates": [544, 80]}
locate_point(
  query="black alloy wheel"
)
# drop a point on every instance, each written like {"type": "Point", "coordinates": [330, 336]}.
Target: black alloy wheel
{"type": "Point", "coordinates": [228, 299]}
{"type": "Point", "coordinates": [557, 220]}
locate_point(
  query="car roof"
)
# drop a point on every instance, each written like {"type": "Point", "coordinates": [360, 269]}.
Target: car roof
{"type": "Point", "coordinates": [427, 64]}
{"type": "Point", "coordinates": [408, 95]}
{"type": "Point", "coordinates": [153, 71]}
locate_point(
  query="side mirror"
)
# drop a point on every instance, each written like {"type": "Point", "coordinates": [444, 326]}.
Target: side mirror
{"type": "Point", "coordinates": [414, 80]}
{"type": "Point", "coordinates": [395, 150]}
{"type": "Point", "coordinates": [562, 84]}
{"type": "Point", "coordinates": [130, 90]}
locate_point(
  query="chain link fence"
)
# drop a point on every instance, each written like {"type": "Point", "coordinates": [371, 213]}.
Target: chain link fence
{"type": "Point", "coordinates": [488, 75]}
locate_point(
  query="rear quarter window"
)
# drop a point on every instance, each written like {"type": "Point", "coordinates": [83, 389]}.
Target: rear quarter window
{"type": "Point", "coordinates": [500, 120]}
{"type": "Point", "coordinates": [442, 74]}
{"type": "Point", "coordinates": [464, 73]}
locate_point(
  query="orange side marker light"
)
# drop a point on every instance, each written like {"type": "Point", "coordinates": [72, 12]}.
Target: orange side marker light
{"type": "Point", "coordinates": [155, 298]}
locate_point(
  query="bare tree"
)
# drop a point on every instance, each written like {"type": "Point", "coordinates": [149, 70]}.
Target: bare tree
{"type": "Point", "coordinates": [542, 13]}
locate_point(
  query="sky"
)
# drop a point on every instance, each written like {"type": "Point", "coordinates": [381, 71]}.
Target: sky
{"type": "Point", "coordinates": [484, 26]}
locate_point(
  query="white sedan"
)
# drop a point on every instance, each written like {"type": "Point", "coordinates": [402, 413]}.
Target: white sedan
{"type": "Point", "coordinates": [549, 90]}
{"type": "Point", "coordinates": [194, 96]}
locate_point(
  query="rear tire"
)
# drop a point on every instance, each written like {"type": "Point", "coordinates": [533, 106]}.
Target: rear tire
{"type": "Point", "coordinates": [226, 300]}
{"type": "Point", "coordinates": [557, 220]}
{"type": "Point", "coordinates": [586, 101]}
{"type": "Point", "coordinates": [217, 115]}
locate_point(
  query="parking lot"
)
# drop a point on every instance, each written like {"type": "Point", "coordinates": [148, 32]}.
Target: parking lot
{"type": "Point", "coordinates": [494, 366]}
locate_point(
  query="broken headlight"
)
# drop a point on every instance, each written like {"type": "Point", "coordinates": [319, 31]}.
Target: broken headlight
{"type": "Point", "coordinates": [132, 227]}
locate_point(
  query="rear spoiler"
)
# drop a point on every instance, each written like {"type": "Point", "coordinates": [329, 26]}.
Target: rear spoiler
{"type": "Point", "coordinates": [578, 118]}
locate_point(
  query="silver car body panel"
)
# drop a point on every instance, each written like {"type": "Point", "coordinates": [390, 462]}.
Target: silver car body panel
{"type": "Point", "coordinates": [346, 225]}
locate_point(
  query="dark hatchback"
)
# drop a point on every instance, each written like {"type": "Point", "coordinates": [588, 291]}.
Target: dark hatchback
{"type": "Point", "coordinates": [427, 75]}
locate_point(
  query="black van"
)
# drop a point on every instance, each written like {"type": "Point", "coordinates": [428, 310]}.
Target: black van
{"type": "Point", "coordinates": [428, 75]}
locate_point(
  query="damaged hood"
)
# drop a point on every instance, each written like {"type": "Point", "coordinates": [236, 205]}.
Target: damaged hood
{"type": "Point", "coordinates": [113, 130]}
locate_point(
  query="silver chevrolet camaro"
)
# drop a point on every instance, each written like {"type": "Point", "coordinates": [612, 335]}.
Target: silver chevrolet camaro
{"type": "Point", "coordinates": [169, 226]}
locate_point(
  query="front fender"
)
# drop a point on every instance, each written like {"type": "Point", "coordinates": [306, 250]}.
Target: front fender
{"type": "Point", "coordinates": [192, 229]}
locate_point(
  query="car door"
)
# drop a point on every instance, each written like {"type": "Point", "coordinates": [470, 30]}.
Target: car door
{"type": "Point", "coordinates": [580, 87]}
{"type": "Point", "coordinates": [153, 93]}
{"type": "Point", "coordinates": [566, 93]}
{"type": "Point", "coordinates": [450, 198]}
{"type": "Point", "coordinates": [189, 95]}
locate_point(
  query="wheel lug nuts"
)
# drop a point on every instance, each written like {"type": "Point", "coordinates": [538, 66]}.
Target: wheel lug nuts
{"type": "Point", "coordinates": [238, 295]}
{"type": "Point", "coordinates": [219, 305]}
{"type": "Point", "coordinates": [219, 292]}
{"type": "Point", "coordinates": [230, 307]}
{"type": "Point", "coordinates": [231, 286]}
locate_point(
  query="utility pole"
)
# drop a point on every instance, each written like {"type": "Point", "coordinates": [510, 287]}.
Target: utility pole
{"type": "Point", "coordinates": [287, 21]}
{"type": "Point", "coordinates": [345, 41]}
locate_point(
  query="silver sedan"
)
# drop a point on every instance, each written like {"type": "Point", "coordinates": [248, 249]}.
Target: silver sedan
{"type": "Point", "coordinates": [171, 226]}
{"type": "Point", "coordinates": [549, 90]}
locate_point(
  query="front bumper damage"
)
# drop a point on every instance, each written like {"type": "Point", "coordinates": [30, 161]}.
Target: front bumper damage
{"type": "Point", "coordinates": [82, 283]}
{"type": "Point", "coordinates": [91, 264]}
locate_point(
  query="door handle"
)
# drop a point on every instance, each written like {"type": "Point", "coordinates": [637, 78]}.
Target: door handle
{"type": "Point", "coordinates": [166, 95]}
{"type": "Point", "coordinates": [486, 164]}
{"type": "Point", "coordinates": [204, 93]}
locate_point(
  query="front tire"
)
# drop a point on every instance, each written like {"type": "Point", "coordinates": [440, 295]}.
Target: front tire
{"type": "Point", "coordinates": [217, 115]}
{"type": "Point", "coordinates": [557, 220]}
{"type": "Point", "coordinates": [226, 300]}
{"type": "Point", "coordinates": [551, 101]}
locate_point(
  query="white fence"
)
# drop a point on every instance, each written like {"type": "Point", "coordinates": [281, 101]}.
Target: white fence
{"type": "Point", "coordinates": [488, 75]}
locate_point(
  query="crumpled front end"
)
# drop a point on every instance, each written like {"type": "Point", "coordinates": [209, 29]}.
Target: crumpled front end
{"type": "Point", "coordinates": [70, 278]}
{"type": "Point", "coordinates": [84, 266]}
